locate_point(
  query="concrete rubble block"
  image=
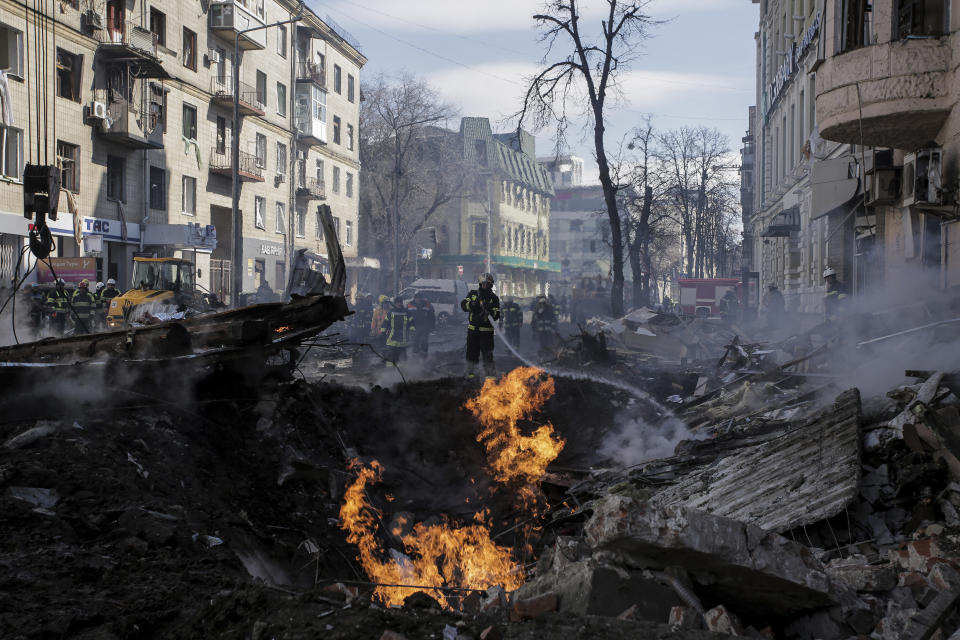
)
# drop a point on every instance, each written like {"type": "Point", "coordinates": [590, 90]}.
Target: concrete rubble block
{"type": "Point", "coordinates": [721, 620]}
{"type": "Point", "coordinates": [894, 625]}
{"type": "Point", "coordinates": [732, 561]}
{"type": "Point", "coordinates": [533, 607]}
{"type": "Point", "coordinates": [819, 624]}
{"type": "Point", "coordinates": [860, 576]}
{"type": "Point", "coordinates": [944, 577]}
{"type": "Point", "coordinates": [920, 587]}
{"type": "Point", "coordinates": [685, 618]}
{"type": "Point", "coordinates": [587, 587]}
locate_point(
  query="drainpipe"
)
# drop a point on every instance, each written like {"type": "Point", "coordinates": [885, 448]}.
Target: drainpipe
{"type": "Point", "coordinates": [146, 196]}
{"type": "Point", "coordinates": [290, 248]}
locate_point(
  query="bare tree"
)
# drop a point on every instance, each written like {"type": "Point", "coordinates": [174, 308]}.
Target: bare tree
{"type": "Point", "coordinates": [579, 62]}
{"type": "Point", "coordinates": [409, 171]}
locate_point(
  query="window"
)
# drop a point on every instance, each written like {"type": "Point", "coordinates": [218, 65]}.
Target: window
{"type": "Point", "coordinates": [158, 194]}
{"type": "Point", "coordinates": [281, 159]}
{"type": "Point", "coordinates": [14, 39]}
{"type": "Point", "coordinates": [12, 153]}
{"type": "Point", "coordinates": [320, 171]}
{"type": "Point", "coordinates": [189, 49]}
{"type": "Point", "coordinates": [158, 107]}
{"type": "Point", "coordinates": [921, 18]}
{"type": "Point", "coordinates": [336, 129]}
{"type": "Point", "coordinates": [349, 185]}
{"type": "Point", "coordinates": [262, 88]}
{"type": "Point", "coordinates": [319, 105]}
{"type": "Point", "coordinates": [350, 137]}
{"type": "Point", "coordinates": [280, 214]}
{"type": "Point", "coordinates": [336, 226]}
{"type": "Point", "coordinates": [189, 122]}
{"type": "Point", "coordinates": [301, 223]}
{"type": "Point", "coordinates": [337, 84]}
{"type": "Point", "coordinates": [479, 234]}
{"type": "Point", "coordinates": [336, 179]}
{"type": "Point", "coordinates": [188, 201]}
{"type": "Point", "coordinates": [350, 88]}
{"type": "Point", "coordinates": [158, 26]}
{"type": "Point", "coordinates": [319, 230]}
{"type": "Point", "coordinates": [280, 270]}
{"type": "Point", "coordinates": [259, 204]}
{"type": "Point", "coordinates": [69, 67]}
{"type": "Point", "coordinates": [68, 156]}
{"type": "Point", "coordinates": [282, 99]}
{"type": "Point", "coordinates": [261, 151]}
{"type": "Point", "coordinates": [348, 240]}
{"type": "Point", "coordinates": [282, 40]}
{"type": "Point", "coordinates": [221, 135]}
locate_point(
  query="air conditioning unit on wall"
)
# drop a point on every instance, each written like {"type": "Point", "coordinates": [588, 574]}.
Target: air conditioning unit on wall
{"type": "Point", "coordinates": [96, 111]}
{"type": "Point", "coordinates": [883, 186]}
{"type": "Point", "coordinates": [921, 183]}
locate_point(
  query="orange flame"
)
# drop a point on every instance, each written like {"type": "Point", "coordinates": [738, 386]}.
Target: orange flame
{"type": "Point", "coordinates": [438, 555]}
{"type": "Point", "coordinates": [515, 458]}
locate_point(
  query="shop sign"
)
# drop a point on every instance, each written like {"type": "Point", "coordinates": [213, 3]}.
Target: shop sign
{"type": "Point", "coordinates": [791, 60]}
{"type": "Point", "coordinates": [70, 269]}
{"type": "Point", "coordinates": [271, 250]}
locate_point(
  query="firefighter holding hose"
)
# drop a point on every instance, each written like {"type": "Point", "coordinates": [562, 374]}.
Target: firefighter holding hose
{"type": "Point", "coordinates": [483, 305]}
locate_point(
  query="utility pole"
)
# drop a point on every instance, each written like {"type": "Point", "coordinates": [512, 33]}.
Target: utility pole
{"type": "Point", "coordinates": [237, 252]}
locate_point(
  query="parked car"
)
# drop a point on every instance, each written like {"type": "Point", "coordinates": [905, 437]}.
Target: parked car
{"type": "Point", "coordinates": [444, 295]}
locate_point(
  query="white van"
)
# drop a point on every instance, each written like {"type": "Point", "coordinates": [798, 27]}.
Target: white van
{"type": "Point", "coordinates": [444, 295]}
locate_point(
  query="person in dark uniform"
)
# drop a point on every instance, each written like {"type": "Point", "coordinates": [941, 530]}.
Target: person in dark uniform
{"type": "Point", "coordinates": [424, 319]}
{"type": "Point", "coordinates": [397, 329]}
{"type": "Point", "coordinates": [84, 304]}
{"type": "Point", "coordinates": [835, 295]}
{"type": "Point", "coordinates": [511, 320]}
{"type": "Point", "coordinates": [58, 306]}
{"type": "Point", "coordinates": [482, 305]}
{"type": "Point", "coordinates": [544, 325]}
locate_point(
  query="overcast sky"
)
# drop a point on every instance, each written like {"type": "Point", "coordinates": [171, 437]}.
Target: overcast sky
{"type": "Point", "coordinates": [698, 68]}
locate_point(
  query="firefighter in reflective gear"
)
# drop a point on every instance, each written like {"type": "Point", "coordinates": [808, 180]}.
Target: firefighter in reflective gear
{"type": "Point", "coordinates": [379, 315]}
{"type": "Point", "coordinates": [109, 292]}
{"type": "Point", "coordinates": [836, 294]}
{"type": "Point", "coordinates": [397, 329]}
{"type": "Point", "coordinates": [84, 303]}
{"type": "Point", "coordinates": [730, 307]}
{"type": "Point", "coordinates": [36, 300]}
{"type": "Point", "coordinates": [544, 325]}
{"type": "Point", "coordinates": [483, 305]}
{"type": "Point", "coordinates": [58, 306]}
{"type": "Point", "coordinates": [424, 319]}
{"type": "Point", "coordinates": [511, 319]}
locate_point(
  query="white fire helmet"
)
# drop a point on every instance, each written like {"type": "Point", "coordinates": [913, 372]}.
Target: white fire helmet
{"type": "Point", "coordinates": [829, 271]}
{"type": "Point", "coordinates": [111, 281]}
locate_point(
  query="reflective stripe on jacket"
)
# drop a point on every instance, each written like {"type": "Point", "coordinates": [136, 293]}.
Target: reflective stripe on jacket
{"type": "Point", "coordinates": [57, 300]}
{"type": "Point", "coordinates": [83, 303]}
{"type": "Point", "coordinates": [512, 315]}
{"type": "Point", "coordinates": [398, 327]}
{"type": "Point", "coordinates": [480, 320]}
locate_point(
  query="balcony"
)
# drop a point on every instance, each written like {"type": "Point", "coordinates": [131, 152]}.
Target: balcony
{"type": "Point", "coordinates": [125, 123]}
{"type": "Point", "coordinates": [230, 17]}
{"type": "Point", "coordinates": [221, 164]}
{"type": "Point", "coordinates": [904, 93]}
{"type": "Point", "coordinates": [128, 42]}
{"type": "Point", "coordinates": [312, 72]}
{"type": "Point", "coordinates": [311, 189]}
{"type": "Point", "coordinates": [251, 104]}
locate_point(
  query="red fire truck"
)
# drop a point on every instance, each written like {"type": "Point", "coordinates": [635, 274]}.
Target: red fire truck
{"type": "Point", "coordinates": [702, 295]}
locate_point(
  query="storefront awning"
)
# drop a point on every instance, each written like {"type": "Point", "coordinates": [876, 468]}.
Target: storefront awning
{"type": "Point", "coordinates": [834, 184]}
{"type": "Point", "coordinates": [362, 263]}
{"type": "Point", "coordinates": [504, 261]}
{"type": "Point", "coordinates": [182, 236]}
{"type": "Point", "coordinates": [784, 223]}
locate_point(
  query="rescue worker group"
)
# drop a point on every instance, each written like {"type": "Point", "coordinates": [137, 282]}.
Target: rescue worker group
{"type": "Point", "coordinates": [83, 310]}
{"type": "Point", "coordinates": [395, 327]}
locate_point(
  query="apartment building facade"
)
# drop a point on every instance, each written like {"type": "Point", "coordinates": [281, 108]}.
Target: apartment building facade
{"type": "Point", "coordinates": [804, 187]}
{"type": "Point", "coordinates": [507, 215]}
{"type": "Point", "coordinates": [138, 115]}
{"type": "Point", "coordinates": [889, 81]}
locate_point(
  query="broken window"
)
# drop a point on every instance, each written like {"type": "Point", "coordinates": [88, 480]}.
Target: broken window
{"type": "Point", "coordinates": [856, 24]}
{"type": "Point", "coordinates": [158, 26]}
{"type": "Point", "coordinates": [68, 158]}
{"type": "Point", "coordinates": [280, 227]}
{"type": "Point", "coordinates": [12, 153]}
{"type": "Point", "coordinates": [336, 129]}
{"type": "Point", "coordinates": [350, 137]}
{"type": "Point", "coordinates": [350, 88]}
{"type": "Point", "coordinates": [301, 223]}
{"type": "Point", "coordinates": [921, 18]}
{"type": "Point", "coordinates": [158, 107]}
{"type": "Point", "coordinates": [189, 122]}
{"type": "Point", "coordinates": [282, 41]}
{"type": "Point", "coordinates": [69, 68]}
{"type": "Point", "coordinates": [319, 229]}
{"type": "Point", "coordinates": [158, 194]}
{"type": "Point", "coordinates": [348, 240]}
{"type": "Point", "coordinates": [221, 141]}
{"type": "Point", "coordinates": [189, 49]}
{"type": "Point", "coordinates": [13, 38]}
{"type": "Point", "coordinates": [262, 88]}
{"type": "Point", "coordinates": [259, 204]}
{"type": "Point", "coordinates": [281, 99]}
{"type": "Point", "coordinates": [261, 150]}
{"type": "Point", "coordinates": [188, 201]}
{"type": "Point", "coordinates": [349, 185]}
{"type": "Point", "coordinates": [281, 159]}
{"type": "Point", "coordinates": [337, 79]}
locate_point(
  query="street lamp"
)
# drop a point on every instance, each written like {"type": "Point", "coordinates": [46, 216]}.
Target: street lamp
{"type": "Point", "coordinates": [237, 252]}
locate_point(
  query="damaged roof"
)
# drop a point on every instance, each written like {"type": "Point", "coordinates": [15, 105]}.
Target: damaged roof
{"type": "Point", "coordinates": [808, 474]}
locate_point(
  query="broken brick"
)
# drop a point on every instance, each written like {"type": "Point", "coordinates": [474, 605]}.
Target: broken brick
{"type": "Point", "coordinates": [533, 607]}
{"type": "Point", "coordinates": [917, 555]}
{"type": "Point", "coordinates": [491, 633]}
{"type": "Point", "coordinates": [721, 620]}
{"type": "Point", "coordinates": [685, 618]}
